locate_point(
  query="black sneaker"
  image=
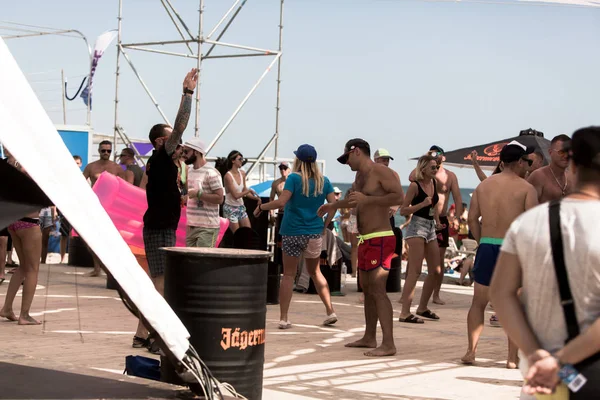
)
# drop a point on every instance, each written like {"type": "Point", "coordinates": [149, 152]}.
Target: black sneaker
{"type": "Point", "coordinates": [139, 342]}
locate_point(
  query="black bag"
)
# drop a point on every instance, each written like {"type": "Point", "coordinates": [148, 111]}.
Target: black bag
{"type": "Point", "coordinates": [590, 367]}
{"type": "Point", "coordinates": [142, 367]}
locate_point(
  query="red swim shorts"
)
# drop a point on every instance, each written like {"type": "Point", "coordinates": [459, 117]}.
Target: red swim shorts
{"type": "Point", "coordinates": [376, 252]}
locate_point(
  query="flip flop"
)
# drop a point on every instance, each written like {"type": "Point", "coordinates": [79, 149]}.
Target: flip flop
{"type": "Point", "coordinates": [411, 319]}
{"type": "Point", "coordinates": [428, 314]}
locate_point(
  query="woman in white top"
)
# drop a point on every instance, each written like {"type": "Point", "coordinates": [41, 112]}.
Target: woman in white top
{"type": "Point", "coordinates": [235, 191]}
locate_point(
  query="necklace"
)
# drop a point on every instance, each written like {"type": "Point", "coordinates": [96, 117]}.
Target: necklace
{"type": "Point", "coordinates": [562, 188]}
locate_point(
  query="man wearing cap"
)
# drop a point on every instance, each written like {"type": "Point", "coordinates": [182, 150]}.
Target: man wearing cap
{"type": "Point", "coordinates": [553, 182]}
{"type": "Point", "coordinates": [446, 183]}
{"type": "Point", "coordinates": [536, 319]}
{"type": "Point", "coordinates": [375, 190]}
{"type": "Point", "coordinates": [498, 200]}
{"type": "Point", "coordinates": [205, 194]}
{"type": "Point", "coordinates": [276, 190]}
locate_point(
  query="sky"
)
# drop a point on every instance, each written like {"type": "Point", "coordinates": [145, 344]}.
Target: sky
{"type": "Point", "coordinates": [401, 74]}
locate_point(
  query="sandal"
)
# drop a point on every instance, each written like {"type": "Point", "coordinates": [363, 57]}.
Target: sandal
{"type": "Point", "coordinates": [428, 314]}
{"type": "Point", "coordinates": [411, 319]}
{"type": "Point", "coordinates": [139, 342]}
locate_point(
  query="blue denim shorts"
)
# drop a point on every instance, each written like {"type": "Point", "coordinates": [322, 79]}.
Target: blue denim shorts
{"type": "Point", "coordinates": [422, 228]}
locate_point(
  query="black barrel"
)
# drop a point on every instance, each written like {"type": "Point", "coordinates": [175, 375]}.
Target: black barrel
{"type": "Point", "coordinates": [79, 253]}
{"type": "Point", "coordinates": [220, 296]}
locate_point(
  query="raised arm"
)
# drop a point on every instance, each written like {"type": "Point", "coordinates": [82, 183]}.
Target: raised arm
{"type": "Point", "coordinates": [480, 174]}
{"type": "Point", "coordinates": [183, 115]}
{"type": "Point", "coordinates": [474, 214]}
{"type": "Point", "coordinates": [456, 195]}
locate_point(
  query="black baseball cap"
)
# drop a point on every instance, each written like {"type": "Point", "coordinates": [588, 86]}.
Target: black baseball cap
{"type": "Point", "coordinates": [585, 147]}
{"type": "Point", "coordinates": [351, 145]}
{"type": "Point", "coordinates": [514, 151]}
{"type": "Point", "coordinates": [437, 149]}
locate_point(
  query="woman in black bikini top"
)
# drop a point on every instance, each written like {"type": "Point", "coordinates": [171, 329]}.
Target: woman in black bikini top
{"type": "Point", "coordinates": [421, 238]}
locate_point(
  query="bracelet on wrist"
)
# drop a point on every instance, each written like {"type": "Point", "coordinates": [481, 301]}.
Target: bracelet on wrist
{"type": "Point", "coordinates": [199, 194]}
{"type": "Point", "coordinates": [187, 91]}
{"type": "Point", "coordinates": [260, 207]}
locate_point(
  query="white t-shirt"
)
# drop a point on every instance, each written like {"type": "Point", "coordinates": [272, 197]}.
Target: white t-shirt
{"type": "Point", "coordinates": [529, 238]}
{"type": "Point", "coordinates": [200, 213]}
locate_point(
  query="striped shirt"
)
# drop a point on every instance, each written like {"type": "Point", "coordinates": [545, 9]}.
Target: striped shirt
{"type": "Point", "coordinates": [199, 213]}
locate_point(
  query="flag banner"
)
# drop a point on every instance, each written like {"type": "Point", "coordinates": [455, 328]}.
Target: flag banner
{"type": "Point", "coordinates": [102, 43]}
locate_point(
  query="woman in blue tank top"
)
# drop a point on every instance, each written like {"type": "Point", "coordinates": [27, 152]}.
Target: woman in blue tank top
{"type": "Point", "coordinates": [421, 201]}
{"type": "Point", "coordinates": [305, 190]}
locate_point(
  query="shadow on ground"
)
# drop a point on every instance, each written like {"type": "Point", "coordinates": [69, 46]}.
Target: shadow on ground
{"type": "Point", "coordinates": [23, 382]}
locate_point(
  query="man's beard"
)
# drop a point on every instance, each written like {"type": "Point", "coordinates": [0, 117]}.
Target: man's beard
{"type": "Point", "coordinates": [191, 160]}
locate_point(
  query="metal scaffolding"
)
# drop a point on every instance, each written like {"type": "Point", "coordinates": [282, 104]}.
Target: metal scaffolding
{"type": "Point", "coordinates": [202, 41]}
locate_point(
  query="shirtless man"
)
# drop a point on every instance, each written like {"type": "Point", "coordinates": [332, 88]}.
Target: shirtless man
{"type": "Point", "coordinates": [446, 184]}
{"type": "Point", "coordinates": [376, 189]}
{"type": "Point", "coordinates": [552, 182]}
{"type": "Point", "coordinates": [92, 172]}
{"type": "Point", "coordinates": [498, 200]}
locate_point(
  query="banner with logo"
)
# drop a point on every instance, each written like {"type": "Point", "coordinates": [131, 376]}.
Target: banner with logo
{"type": "Point", "coordinates": [102, 43]}
{"type": "Point", "coordinates": [488, 154]}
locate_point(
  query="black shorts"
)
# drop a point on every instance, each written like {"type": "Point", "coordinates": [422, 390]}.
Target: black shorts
{"type": "Point", "coordinates": [4, 232]}
{"type": "Point", "coordinates": [443, 235]}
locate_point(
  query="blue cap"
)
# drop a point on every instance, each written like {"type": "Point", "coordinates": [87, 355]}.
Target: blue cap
{"type": "Point", "coordinates": [306, 153]}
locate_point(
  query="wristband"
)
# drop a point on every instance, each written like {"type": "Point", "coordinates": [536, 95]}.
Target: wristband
{"type": "Point", "coordinates": [199, 193]}
{"type": "Point", "coordinates": [187, 91]}
{"type": "Point", "coordinates": [260, 207]}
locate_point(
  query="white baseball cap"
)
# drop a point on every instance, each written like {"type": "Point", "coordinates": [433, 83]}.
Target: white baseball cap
{"type": "Point", "coordinates": [196, 144]}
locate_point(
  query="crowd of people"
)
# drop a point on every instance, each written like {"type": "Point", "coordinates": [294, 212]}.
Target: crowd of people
{"type": "Point", "coordinates": [514, 265]}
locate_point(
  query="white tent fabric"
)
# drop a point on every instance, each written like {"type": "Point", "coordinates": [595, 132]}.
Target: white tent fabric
{"type": "Point", "coordinates": [29, 134]}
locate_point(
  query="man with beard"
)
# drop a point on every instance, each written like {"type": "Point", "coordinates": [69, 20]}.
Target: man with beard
{"type": "Point", "coordinates": [205, 194]}
{"type": "Point", "coordinates": [93, 170]}
{"type": "Point", "coordinates": [552, 182]}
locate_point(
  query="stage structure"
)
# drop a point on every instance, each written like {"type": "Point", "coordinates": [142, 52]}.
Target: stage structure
{"type": "Point", "coordinates": [200, 46]}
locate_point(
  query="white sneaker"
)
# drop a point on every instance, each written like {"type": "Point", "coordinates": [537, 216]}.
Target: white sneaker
{"type": "Point", "coordinates": [285, 324]}
{"type": "Point", "coordinates": [330, 320]}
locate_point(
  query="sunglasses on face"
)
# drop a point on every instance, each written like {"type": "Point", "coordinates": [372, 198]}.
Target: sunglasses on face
{"type": "Point", "coordinates": [528, 161]}
{"type": "Point", "coordinates": [105, 151]}
{"type": "Point", "coordinates": [346, 155]}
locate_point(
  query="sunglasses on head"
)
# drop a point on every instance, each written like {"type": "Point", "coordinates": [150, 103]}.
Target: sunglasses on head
{"type": "Point", "coordinates": [105, 151]}
{"type": "Point", "coordinates": [434, 153]}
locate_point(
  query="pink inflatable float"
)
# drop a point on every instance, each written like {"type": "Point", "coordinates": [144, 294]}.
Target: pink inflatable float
{"type": "Point", "coordinates": [126, 205]}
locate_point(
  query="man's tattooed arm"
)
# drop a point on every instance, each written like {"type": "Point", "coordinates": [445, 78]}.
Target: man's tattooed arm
{"type": "Point", "coordinates": [183, 115]}
{"type": "Point", "coordinates": [181, 121]}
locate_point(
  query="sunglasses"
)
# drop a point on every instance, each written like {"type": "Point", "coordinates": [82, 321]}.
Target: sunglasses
{"type": "Point", "coordinates": [105, 151]}
{"type": "Point", "coordinates": [528, 161]}
{"type": "Point", "coordinates": [123, 155]}
{"type": "Point", "coordinates": [344, 157]}
{"type": "Point", "coordinates": [436, 153]}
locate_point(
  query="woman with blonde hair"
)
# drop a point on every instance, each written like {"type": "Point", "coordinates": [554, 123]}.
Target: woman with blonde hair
{"type": "Point", "coordinates": [305, 190]}
{"type": "Point", "coordinates": [421, 201]}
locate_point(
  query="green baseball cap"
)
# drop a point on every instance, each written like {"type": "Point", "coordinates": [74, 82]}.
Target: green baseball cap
{"type": "Point", "coordinates": [382, 153]}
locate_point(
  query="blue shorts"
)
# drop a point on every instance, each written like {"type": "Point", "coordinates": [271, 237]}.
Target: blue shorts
{"type": "Point", "coordinates": [485, 262]}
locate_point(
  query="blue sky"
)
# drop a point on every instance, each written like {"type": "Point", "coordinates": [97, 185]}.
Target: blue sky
{"type": "Point", "coordinates": [401, 74]}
